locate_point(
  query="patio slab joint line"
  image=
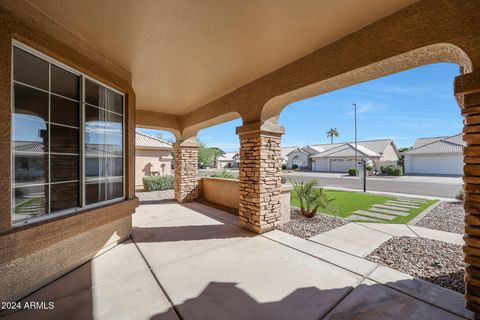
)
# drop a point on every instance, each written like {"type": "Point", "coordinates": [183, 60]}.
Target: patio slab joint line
{"type": "Point", "coordinates": [408, 226]}
{"type": "Point", "coordinates": [174, 307]}
{"type": "Point", "coordinates": [365, 277]}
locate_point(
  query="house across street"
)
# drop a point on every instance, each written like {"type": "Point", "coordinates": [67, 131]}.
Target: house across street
{"type": "Point", "coordinates": [339, 157]}
{"type": "Point", "coordinates": [436, 155]}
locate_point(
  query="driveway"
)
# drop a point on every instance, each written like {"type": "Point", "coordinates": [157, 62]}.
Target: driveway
{"type": "Point", "coordinates": [194, 262]}
{"type": "Point", "coordinates": [434, 186]}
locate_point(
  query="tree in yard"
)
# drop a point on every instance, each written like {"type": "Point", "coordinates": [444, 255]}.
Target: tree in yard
{"type": "Point", "coordinates": [216, 153]}
{"type": "Point", "coordinates": [208, 156]}
{"type": "Point", "coordinates": [333, 132]}
{"type": "Point", "coordinates": [205, 157]}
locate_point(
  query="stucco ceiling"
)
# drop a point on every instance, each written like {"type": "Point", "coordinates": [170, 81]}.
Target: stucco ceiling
{"type": "Point", "coordinates": [184, 53]}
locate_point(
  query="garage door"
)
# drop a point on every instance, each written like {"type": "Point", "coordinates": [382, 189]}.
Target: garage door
{"type": "Point", "coordinates": [341, 165]}
{"type": "Point", "coordinates": [320, 165]}
{"type": "Point", "coordinates": [435, 164]}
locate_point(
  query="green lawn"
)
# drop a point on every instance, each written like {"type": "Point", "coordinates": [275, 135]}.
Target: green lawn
{"type": "Point", "coordinates": [348, 202]}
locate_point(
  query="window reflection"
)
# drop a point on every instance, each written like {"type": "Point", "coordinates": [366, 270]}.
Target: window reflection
{"type": "Point", "coordinates": [31, 102]}
{"type": "Point", "coordinates": [31, 167]}
{"type": "Point", "coordinates": [64, 139]}
{"type": "Point", "coordinates": [64, 83]}
{"type": "Point", "coordinates": [64, 111]}
{"type": "Point", "coordinates": [30, 201]}
{"type": "Point", "coordinates": [29, 134]}
{"type": "Point", "coordinates": [64, 196]}
{"type": "Point", "coordinates": [30, 69]}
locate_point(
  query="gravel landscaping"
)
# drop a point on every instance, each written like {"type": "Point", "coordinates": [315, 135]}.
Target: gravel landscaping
{"type": "Point", "coordinates": [155, 196]}
{"type": "Point", "coordinates": [434, 261]}
{"type": "Point", "coordinates": [308, 227]}
{"type": "Point", "coordinates": [447, 216]}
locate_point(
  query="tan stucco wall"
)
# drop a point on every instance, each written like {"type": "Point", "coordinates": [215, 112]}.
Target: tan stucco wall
{"type": "Point", "coordinates": [225, 192]}
{"type": "Point", "coordinates": [32, 255]}
{"type": "Point", "coordinates": [220, 191]}
{"type": "Point", "coordinates": [302, 159]}
{"type": "Point", "coordinates": [389, 154]}
{"type": "Point", "coordinates": [147, 160]}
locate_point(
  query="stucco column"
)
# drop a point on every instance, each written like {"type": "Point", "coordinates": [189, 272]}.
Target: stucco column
{"type": "Point", "coordinates": [467, 91]}
{"type": "Point", "coordinates": [260, 176]}
{"type": "Point", "coordinates": [186, 170]}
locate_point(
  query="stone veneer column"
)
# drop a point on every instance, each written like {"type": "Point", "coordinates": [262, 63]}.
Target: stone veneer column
{"type": "Point", "coordinates": [467, 91]}
{"type": "Point", "coordinates": [186, 170]}
{"type": "Point", "coordinates": [260, 176]}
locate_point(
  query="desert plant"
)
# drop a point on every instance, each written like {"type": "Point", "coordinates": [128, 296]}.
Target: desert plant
{"type": "Point", "coordinates": [352, 172]}
{"type": "Point", "coordinates": [152, 183]}
{"type": "Point", "coordinates": [311, 197]}
{"type": "Point", "coordinates": [225, 174]}
{"type": "Point", "coordinates": [459, 195]}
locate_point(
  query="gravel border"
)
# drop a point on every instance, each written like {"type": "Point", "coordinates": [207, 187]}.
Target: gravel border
{"type": "Point", "coordinates": [155, 196]}
{"type": "Point", "coordinates": [308, 227]}
{"type": "Point", "coordinates": [447, 216]}
{"type": "Point", "coordinates": [434, 261]}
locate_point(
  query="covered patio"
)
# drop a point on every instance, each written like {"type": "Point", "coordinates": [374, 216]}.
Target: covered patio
{"type": "Point", "coordinates": [192, 261]}
{"type": "Point", "coordinates": [70, 229]}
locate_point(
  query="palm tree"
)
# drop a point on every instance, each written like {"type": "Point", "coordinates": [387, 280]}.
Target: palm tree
{"type": "Point", "coordinates": [333, 132]}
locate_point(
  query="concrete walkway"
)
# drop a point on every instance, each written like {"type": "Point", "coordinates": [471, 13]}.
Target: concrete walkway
{"type": "Point", "coordinates": [194, 262]}
{"type": "Point", "coordinates": [360, 239]}
{"type": "Point", "coordinates": [392, 209]}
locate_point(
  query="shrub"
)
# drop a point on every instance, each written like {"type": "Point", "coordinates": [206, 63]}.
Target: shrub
{"type": "Point", "coordinates": [459, 195]}
{"type": "Point", "coordinates": [312, 198]}
{"type": "Point", "coordinates": [225, 174]}
{"type": "Point", "coordinates": [294, 166]}
{"type": "Point", "coordinates": [369, 168]}
{"type": "Point", "coordinates": [152, 183]}
{"type": "Point", "coordinates": [284, 167]}
{"type": "Point", "coordinates": [393, 170]}
{"type": "Point", "coordinates": [352, 172]}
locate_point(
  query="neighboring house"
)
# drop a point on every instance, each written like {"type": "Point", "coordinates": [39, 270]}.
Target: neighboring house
{"type": "Point", "coordinates": [339, 157]}
{"type": "Point", "coordinates": [152, 157]}
{"type": "Point", "coordinates": [285, 151]}
{"type": "Point", "coordinates": [229, 160]}
{"type": "Point", "coordinates": [436, 155]}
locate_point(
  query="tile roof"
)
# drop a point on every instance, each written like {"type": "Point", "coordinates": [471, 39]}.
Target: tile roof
{"type": "Point", "coordinates": [346, 150]}
{"type": "Point", "coordinates": [377, 146]}
{"type": "Point", "coordinates": [286, 151]}
{"type": "Point", "coordinates": [228, 156]}
{"type": "Point", "coordinates": [449, 144]}
{"type": "Point", "coordinates": [145, 141]}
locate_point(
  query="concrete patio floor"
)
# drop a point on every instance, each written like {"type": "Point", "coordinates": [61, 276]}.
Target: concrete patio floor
{"type": "Point", "coordinates": [194, 262]}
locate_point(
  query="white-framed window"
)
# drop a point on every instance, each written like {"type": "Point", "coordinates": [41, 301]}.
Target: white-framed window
{"type": "Point", "coordinates": [67, 139]}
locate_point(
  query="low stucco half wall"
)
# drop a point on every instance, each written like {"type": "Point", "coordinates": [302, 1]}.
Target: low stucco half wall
{"type": "Point", "coordinates": [225, 193]}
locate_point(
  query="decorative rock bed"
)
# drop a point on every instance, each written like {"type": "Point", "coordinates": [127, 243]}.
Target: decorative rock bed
{"type": "Point", "coordinates": [434, 261]}
{"type": "Point", "coordinates": [152, 196]}
{"type": "Point", "coordinates": [447, 216]}
{"type": "Point", "coordinates": [308, 227]}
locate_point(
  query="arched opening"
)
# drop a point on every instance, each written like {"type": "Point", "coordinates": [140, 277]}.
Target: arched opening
{"type": "Point", "coordinates": [154, 170]}
{"type": "Point", "coordinates": [401, 207]}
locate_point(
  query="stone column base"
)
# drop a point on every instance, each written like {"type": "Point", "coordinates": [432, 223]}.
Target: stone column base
{"type": "Point", "coordinates": [260, 177]}
{"type": "Point", "coordinates": [467, 91]}
{"type": "Point", "coordinates": [186, 170]}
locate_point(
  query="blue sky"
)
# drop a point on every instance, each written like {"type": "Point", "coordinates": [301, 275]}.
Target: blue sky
{"type": "Point", "coordinates": [403, 106]}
